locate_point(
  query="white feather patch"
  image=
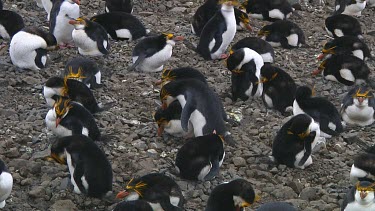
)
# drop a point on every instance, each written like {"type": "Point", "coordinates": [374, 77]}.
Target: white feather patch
{"type": "Point", "coordinates": [347, 74]}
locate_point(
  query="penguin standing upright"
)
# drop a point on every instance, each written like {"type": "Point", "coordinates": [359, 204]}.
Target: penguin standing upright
{"type": "Point", "coordinates": [84, 70]}
{"type": "Point", "coordinates": [61, 13]}
{"type": "Point", "coordinates": [231, 196]}
{"type": "Point", "coordinates": [28, 48]}
{"type": "Point", "coordinates": [268, 9]}
{"type": "Point", "coordinates": [260, 46]}
{"type": "Point", "coordinates": [349, 7]}
{"type": "Point", "coordinates": [6, 183]}
{"type": "Point", "coordinates": [363, 168]}
{"type": "Point", "coordinates": [119, 6]}
{"type": "Point", "coordinates": [89, 168]}
{"type": "Point", "coordinates": [218, 33]}
{"type": "Point", "coordinates": [47, 5]}
{"type": "Point", "coordinates": [10, 24]}
{"type": "Point", "coordinates": [295, 141]}
{"type": "Point", "coordinates": [360, 197]}
{"type": "Point", "coordinates": [343, 25]}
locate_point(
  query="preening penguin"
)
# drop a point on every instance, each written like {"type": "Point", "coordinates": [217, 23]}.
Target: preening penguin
{"type": "Point", "coordinates": [28, 48]}
{"type": "Point", "coordinates": [349, 7]}
{"type": "Point", "coordinates": [343, 25]}
{"type": "Point", "coordinates": [260, 46]}
{"type": "Point", "coordinates": [160, 191]}
{"type": "Point", "coordinates": [358, 106]}
{"type": "Point", "coordinates": [90, 37]}
{"type": "Point", "coordinates": [84, 70]}
{"type": "Point", "coordinates": [231, 196]}
{"type": "Point", "coordinates": [121, 26]}
{"type": "Point", "coordinates": [268, 9]}
{"type": "Point", "coordinates": [181, 73]}
{"type": "Point", "coordinates": [363, 168]}
{"type": "Point", "coordinates": [10, 24]}
{"type": "Point", "coordinates": [6, 183]}
{"type": "Point", "coordinates": [151, 53]}
{"type": "Point", "coordinates": [360, 197]}
{"type": "Point", "coordinates": [320, 109]}
{"type": "Point", "coordinates": [279, 206]}
{"type": "Point", "coordinates": [283, 33]}
{"type": "Point", "coordinates": [68, 118]}
{"type": "Point", "coordinates": [295, 141]}
{"type": "Point", "coordinates": [90, 170]}
{"type": "Point", "coordinates": [119, 6]}
{"type": "Point", "coordinates": [201, 157]}
{"type": "Point", "coordinates": [136, 205]}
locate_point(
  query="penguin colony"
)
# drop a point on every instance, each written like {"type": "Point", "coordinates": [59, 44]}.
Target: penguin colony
{"type": "Point", "coordinates": [189, 107]}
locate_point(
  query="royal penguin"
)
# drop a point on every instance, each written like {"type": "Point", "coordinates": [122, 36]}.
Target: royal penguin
{"type": "Point", "coordinates": [136, 205]}
{"type": "Point", "coordinates": [360, 197]}
{"type": "Point", "coordinates": [159, 190]}
{"type": "Point", "coordinates": [245, 65]}
{"type": "Point", "coordinates": [363, 168]}
{"type": "Point", "coordinates": [218, 33]}
{"type": "Point", "coordinates": [47, 5]}
{"type": "Point", "coordinates": [119, 6]}
{"type": "Point", "coordinates": [268, 9]}
{"type": "Point", "coordinates": [279, 206]}
{"type": "Point", "coordinates": [283, 33]}
{"type": "Point", "coordinates": [279, 88]}
{"type": "Point", "coordinates": [68, 118]}
{"type": "Point", "coordinates": [346, 69]}
{"type": "Point", "coordinates": [28, 48]}
{"type": "Point", "coordinates": [90, 37]}
{"type": "Point", "coordinates": [200, 158]}
{"type": "Point", "coordinates": [343, 25]}
{"type": "Point", "coordinates": [61, 13]}
{"type": "Point", "coordinates": [151, 53]}
{"type": "Point", "coordinates": [320, 109]}
{"type": "Point", "coordinates": [260, 46]}
{"type": "Point", "coordinates": [84, 70]}
{"type": "Point", "coordinates": [181, 73]}
{"type": "Point", "coordinates": [358, 106]}
{"type": "Point", "coordinates": [295, 141]}
{"type": "Point", "coordinates": [346, 45]}
{"type": "Point", "coordinates": [231, 196]}
{"type": "Point", "coordinates": [349, 7]}
{"type": "Point", "coordinates": [90, 171]}
{"type": "Point", "coordinates": [6, 183]}
{"type": "Point", "coordinates": [10, 24]}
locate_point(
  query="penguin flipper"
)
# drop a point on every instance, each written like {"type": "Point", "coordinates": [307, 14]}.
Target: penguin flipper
{"type": "Point", "coordinates": [140, 59]}
{"type": "Point", "coordinates": [342, 4]}
{"type": "Point", "coordinates": [214, 170]}
{"type": "Point", "coordinates": [101, 47]}
{"type": "Point", "coordinates": [219, 36]}
{"type": "Point", "coordinates": [348, 100]}
{"type": "Point", "coordinates": [284, 43]}
{"type": "Point", "coordinates": [185, 115]}
{"type": "Point", "coordinates": [79, 173]}
{"type": "Point", "coordinates": [307, 153]}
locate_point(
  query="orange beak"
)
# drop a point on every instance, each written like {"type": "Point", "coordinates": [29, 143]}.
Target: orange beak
{"type": "Point", "coordinates": [317, 71]}
{"type": "Point", "coordinates": [321, 56]}
{"type": "Point", "coordinates": [160, 130]}
{"type": "Point", "coordinates": [248, 27]}
{"type": "Point", "coordinates": [178, 38]}
{"type": "Point", "coordinates": [164, 106]}
{"type": "Point", "coordinates": [363, 194]}
{"type": "Point", "coordinates": [77, 2]}
{"type": "Point", "coordinates": [72, 22]}
{"type": "Point", "coordinates": [58, 120]}
{"type": "Point", "coordinates": [158, 82]}
{"type": "Point", "coordinates": [361, 99]}
{"type": "Point", "coordinates": [122, 194]}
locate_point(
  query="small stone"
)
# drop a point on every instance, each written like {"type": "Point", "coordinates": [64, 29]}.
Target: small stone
{"type": "Point", "coordinates": [239, 161]}
{"type": "Point", "coordinates": [309, 194]}
{"type": "Point", "coordinates": [152, 153]}
{"type": "Point", "coordinates": [178, 9]}
{"type": "Point", "coordinates": [63, 205]}
{"type": "Point", "coordinates": [37, 192]}
{"type": "Point", "coordinates": [12, 153]}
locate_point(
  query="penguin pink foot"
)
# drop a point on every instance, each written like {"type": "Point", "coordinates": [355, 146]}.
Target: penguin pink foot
{"type": "Point", "coordinates": [224, 56]}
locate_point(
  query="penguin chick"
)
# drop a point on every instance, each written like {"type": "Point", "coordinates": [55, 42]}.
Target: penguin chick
{"type": "Point", "coordinates": [283, 33]}
{"type": "Point", "coordinates": [121, 26]}
{"type": "Point", "coordinates": [119, 6]}
{"type": "Point", "coordinates": [6, 183]}
{"type": "Point", "coordinates": [320, 109]}
{"type": "Point", "coordinates": [160, 191]}
{"type": "Point", "coordinates": [89, 168]}
{"type": "Point", "coordinates": [363, 168]}
{"type": "Point", "coordinates": [268, 9]}
{"type": "Point", "coordinates": [294, 142]}
{"type": "Point", "coordinates": [10, 24]}
{"type": "Point", "coordinates": [28, 48]}
{"type": "Point", "coordinates": [346, 69]}
{"type": "Point", "coordinates": [262, 47]}
{"type": "Point", "coordinates": [343, 25]}
{"type": "Point", "coordinates": [278, 88]}
{"type": "Point", "coordinates": [181, 73]}
{"type": "Point", "coordinates": [279, 206]}
{"type": "Point", "coordinates": [84, 70]}
{"type": "Point", "coordinates": [136, 205]}
{"type": "Point", "coordinates": [90, 37]}
{"type": "Point", "coordinates": [201, 158]}
{"type": "Point", "coordinates": [245, 65]}
{"type": "Point", "coordinates": [358, 106]}
{"type": "Point", "coordinates": [231, 196]}
{"type": "Point", "coordinates": [68, 118]}
{"type": "Point", "coordinates": [349, 7]}
{"type": "Point", "coordinates": [151, 53]}
{"type": "Point", "coordinates": [360, 197]}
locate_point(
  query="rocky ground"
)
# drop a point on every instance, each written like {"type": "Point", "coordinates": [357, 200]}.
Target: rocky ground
{"type": "Point", "coordinates": [135, 149]}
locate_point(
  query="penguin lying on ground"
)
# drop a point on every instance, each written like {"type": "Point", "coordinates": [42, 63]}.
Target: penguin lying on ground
{"type": "Point", "coordinates": [89, 168]}
{"type": "Point", "coordinates": [160, 191]}
{"type": "Point", "coordinates": [363, 167]}
{"type": "Point", "coordinates": [260, 46]}
{"type": "Point", "coordinates": [346, 69]}
{"type": "Point", "coordinates": [349, 7]}
{"type": "Point", "coordinates": [121, 26]}
{"type": "Point", "coordinates": [283, 33]}
{"type": "Point", "coordinates": [151, 53]}
{"type": "Point", "coordinates": [358, 106]}
{"type": "Point", "coordinates": [84, 70]}
{"type": "Point", "coordinates": [360, 197]}
{"type": "Point", "coordinates": [201, 158]}
{"type": "Point", "coordinates": [90, 37]}
{"type": "Point", "coordinates": [68, 118]}
{"type": "Point", "coordinates": [10, 24]}
{"type": "Point", "coordinates": [136, 205]}
{"type": "Point", "coordinates": [119, 6]}
{"type": "Point", "coordinates": [320, 109]}
{"type": "Point", "coordinates": [6, 183]}
{"type": "Point", "coordinates": [231, 196]}
{"type": "Point", "coordinates": [295, 141]}
{"type": "Point", "coordinates": [28, 48]}
{"type": "Point", "coordinates": [343, 25]}
{"type": "Point", "coordinates": [279, 206]}
{"type": "Point", "coordinates": [279, 88]}
{"type": "Point", "coordinates": [268, 9]}
{"type": "Point", "coordinates": [181, 73]}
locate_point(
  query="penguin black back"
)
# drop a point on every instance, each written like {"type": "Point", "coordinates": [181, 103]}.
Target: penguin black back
{"type": "Point", "coordinates": [347, 45]}
{"type": "Point", "coordinates": [283, 32]}
{"type": "Point", "coordinates": [48, 37]}
{"type": "Point", "coordinates": [150, 45]}
{"type": "Point", "coordinates": [12, 23]}
{"type": "Point", "coordinates": [341, 25]}
{"type": "Point", "coordinates": [96, 32]}
{"type": "Point", "coordinates": [259, 45]}
{"type": "Point", "coordinates": [203, 14]}
{"type": "Point", "coordinates": [271, 10]}
{"type": "Point", "coordinates": [119, 6]}
{"type": "Point", "coordinates": [182, 73]}
{"type": "Point", "coordinates": [173, 111]}
{"type": "Point", "coordinates": [83, 69]}
{"type": "Point", "coordinates": [136, 205]}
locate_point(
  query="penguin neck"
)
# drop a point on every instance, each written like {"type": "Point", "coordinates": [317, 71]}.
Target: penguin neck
{"type": "Point", "coordinates": [227, 9]}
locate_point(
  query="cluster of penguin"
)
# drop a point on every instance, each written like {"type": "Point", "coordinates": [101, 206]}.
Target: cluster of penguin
{"type": "Point", "coordinates": [189, 107]}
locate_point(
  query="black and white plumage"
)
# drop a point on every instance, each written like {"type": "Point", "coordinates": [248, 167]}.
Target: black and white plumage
{"type": "Point", "coordinates": [320, 109]}
{"type": "Point", "coordinates": [363, 168]}
{"type": "Point", "coordinates": [260, 46]}
{"type": "Point", "coordinates": [10, 24]}
{"type": "Point", "coordinates": [268, 9]}
{"type": "Point", "coordinates": [360, 197]}
{"type": "Point", "coordinates": [121, 26]}
{"type": "Point", "coordinates": [231, 196]}
{"type": "Point", "coordinates": [181, 73]}
{"type": "Point", "coordinates": [349, 7]}
{"type": "Point", "coordinates": [6, 183]}
{"type": "Point", "coordinates": [136, 205]}
{"type": "Point", "coordinates": [295, 141]}
{"type": "Point", "coordinates": [47, 5]}
{"type": "Point", "coordinates": [28, 48]}
{"type": "Point", "coordinates": [84, 70]}
{"type": "Point", "coordinates": [358, 106]}
{"type": "Point", "coordinates": [276, 206]}
{"type": "Point", "coordinates": [119, 6]}
{"type": "Point", "coordinates": [201, 158]}
{"type": "Point", "coordinates": [89, 168]}
{"type": "Point", "coordinates": [283, 33]}
{"type": "Point", "coordinates": [343, 25]}
{"type": "Point", "coordinates": [90, 37]}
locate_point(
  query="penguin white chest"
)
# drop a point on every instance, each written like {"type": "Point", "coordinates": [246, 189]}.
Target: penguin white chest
{"type": "Point", "coordinates": [86, 46]}
{"type": "Point", "coordinates": [359, 54]}
{"type": "Point", "coordinates": [198, 121]}
{"type": "Point", "coordinates": [155, 63]}
{"type": "Point", "coordinates": [6, 185]}
{"type": "Point", "coordinates": [361, 116]}
{"type": "Point", "coordinates": [63, 30]}
{"type": "Point", "coordinates": [355, 9]}
{"type": "Point", "coordinates": [296, 109]}
{"type": "Point", "coordinates": [51, 124]}
{"type": "Point", "coordinates": [276, 14]}
{"type": "Point", "coordinates": [355, 206]}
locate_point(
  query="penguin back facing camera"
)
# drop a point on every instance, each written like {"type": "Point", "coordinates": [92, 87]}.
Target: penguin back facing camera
{"type": "Point", "coordinates": [203, 14]}
{"type": "Point", "coordinates": [363, 168]}
{"type": "Point", "coordinates": [343, 25]}
{"type": "Point", "coordinates": [119, 6]}
{"type": "Point", "coordinates": [349, 7]}
{"type": "Point", "coordinates": [181, 73]}
{"type": "Point", "coordinates": [270, 10]}
{"type": "Point", "coordinates": [84, 70]}
{"type": "Point", "coordinates": [360, 197]}
{"type": "Point", "coordinates": [6, 183]}
{"type": "Point", "coordinates": [260, 46]}
{"type": "Point", "coordinates": [11, 23]}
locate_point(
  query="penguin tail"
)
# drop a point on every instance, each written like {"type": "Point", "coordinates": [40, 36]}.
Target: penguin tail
{"type": "Point", "coordinates": [189, 45]}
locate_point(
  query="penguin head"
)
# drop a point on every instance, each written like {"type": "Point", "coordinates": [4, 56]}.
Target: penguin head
{"type": "Point", "coordinates": [229, 3]}
{"type": "Point", "coordinates": [303, 92]}
{"type": "Point", "coordinates": [77, 76]}
{"type": "Point", "coordinates": [364, 193]}
{"type": "Point", "coordinates": [166, 76]}
{"type": "Point", "coordinates": [163, 117]}
{"type": "Point", "coordinates": [79, 23]}
{"type": "Point", "coordinates": [268, 73]}
{"type": "Point", "coordinates": [180, 73]}
{"type": "Point", "coordinates": [61, 108]}
{"type": "Point", "coordinates": [321, 67]}
{"type": "Point", "coordinates": [300, 126]}
{"type": "Point", "coordinates": [74, 1]}
{"type": "Point", "coordinates": [265, 31]}
{"type": "Point", "coordinates": [170, 38]}
{"type": "Point", "coordinates": [243, 19]}
{"type": "Point", "coordinates": [169, 92]}
{"type": "Point", "coordinates": [58, 151]}
{"type": "Point", "coordinates": [243, 193]}
{"type": "Point", "coordinates": [361, 96]}
{"type": "Point", "coordinates": [234, 60]}
{"type": "Point", "coordinates": [329, 48]}
{"type": "Point", "coordinates": [134, 190]}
